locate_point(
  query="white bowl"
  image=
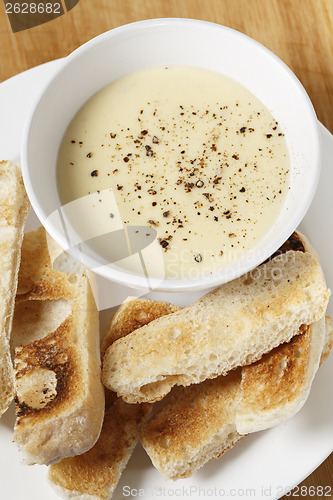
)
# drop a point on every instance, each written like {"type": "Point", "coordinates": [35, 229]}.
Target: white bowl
{"type": "Point", "coordinates": [170, 41]}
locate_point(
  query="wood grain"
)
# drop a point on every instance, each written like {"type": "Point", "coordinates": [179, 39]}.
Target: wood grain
{"type": "Point", "coordinates": [300, 32]}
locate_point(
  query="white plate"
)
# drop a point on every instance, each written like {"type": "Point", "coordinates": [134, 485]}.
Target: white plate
{"type": "Point", "coordinates": [264, 465]}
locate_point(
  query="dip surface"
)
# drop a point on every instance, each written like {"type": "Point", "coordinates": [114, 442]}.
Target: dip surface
{"type": "Point", "coordinates": [184, 150]}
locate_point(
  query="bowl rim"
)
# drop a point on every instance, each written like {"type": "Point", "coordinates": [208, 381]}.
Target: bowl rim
{"type": "Point", "coordinates": [139, 281]}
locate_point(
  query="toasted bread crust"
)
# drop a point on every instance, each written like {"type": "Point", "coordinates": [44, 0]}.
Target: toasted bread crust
{"type": "Point", "coordinates": [285, 365]}
{"type": "Point", "coordinates": [97, 472]}
{"type": "Point", "coordinates": [54, 353]}
{"type": "Point", "coordinates": [274, 388]}
{"type": "Point", "coordinates": [131, 315]}
{"type": "Point", "coordinates": [60, 398]}
{"type": "Point", "coordinates": [199, 341]}
{"type": "Point", "coordinates": [193, 425]}
{"type": "Point", "coordinates": [38, 280]}
{"type": "Point", "coordinates": [14, 208]}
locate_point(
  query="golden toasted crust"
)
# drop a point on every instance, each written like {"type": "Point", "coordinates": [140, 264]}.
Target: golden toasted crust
{"type": "Point", "coordinates": [97, 472]}
{"type": "Point", "coordinates": [276, 387]}
{"type": "Point", "coordinates": [56, 354]}
{"type": "Point", "coordinates": [60, 398]}
{"type": "Point", "coordinates": [192, 425]}
{"type": "Point", "coordinates": [271, 390]}
{"type": "Point", "coordinates": [232, 326]}
{"type": "Point", "coordinates": [38, 280]}
{"type": "Point", "coordinates": [6, 376]}
{"type": "Point", "coordinates": [131, 315]}
{"type": "Point", "coordinates": [14, 208]}
{"type": "Point", "coordinates": [14, 199]}
{"type": "Point", "coordinates": [271, 381]}
{"type": "Point", "coordinates": [278, 372]}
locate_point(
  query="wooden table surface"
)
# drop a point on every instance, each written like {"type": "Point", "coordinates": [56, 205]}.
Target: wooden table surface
{"type": "Point", "coordinates": [300, 32]}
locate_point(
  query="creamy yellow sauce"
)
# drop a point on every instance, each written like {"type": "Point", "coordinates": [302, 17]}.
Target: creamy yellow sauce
{"type": "Point", "coordinates": [185, 151]}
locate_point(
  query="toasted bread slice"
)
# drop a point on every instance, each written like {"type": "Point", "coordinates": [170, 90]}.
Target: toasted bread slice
{"type": "Point", "coordinates": [59, 394]}
{"type": "Point", "coordinates": [193, 425]}
{"type": "Point", "coordinates": [276, 387]}
{"type": "Point", "coordinates": [231, 326]}
{"type": "Point", "coordinates": [132, 314]}
{"type": "Point", "coordinates": [95, 474]}
{"type": "Point", "coordinates": [14, 208]}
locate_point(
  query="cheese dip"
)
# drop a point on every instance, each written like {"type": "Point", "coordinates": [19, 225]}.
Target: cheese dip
{"type": "Point", "coordinates": [185, 151]}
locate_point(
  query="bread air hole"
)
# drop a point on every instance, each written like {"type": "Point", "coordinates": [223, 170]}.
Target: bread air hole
{"type": "Point", "coordinates": [298, 352]}
{"type": "Point", "coordinates": [164, 443]}
{"type": "Point", "coordinates": [281, 367]}
{"type": "Point", "coordinates": [72, 279]}
{"type": "Point", "coordinates": [231, 437]}
{"type": "Point", "coordinates": [37, 387]}
{"type": "Point", "coordinates": [174, 334]}
{"type": "Point", "coordinates": [64, 263]}
{"type": "Point", "coordinates": [35, 319]}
